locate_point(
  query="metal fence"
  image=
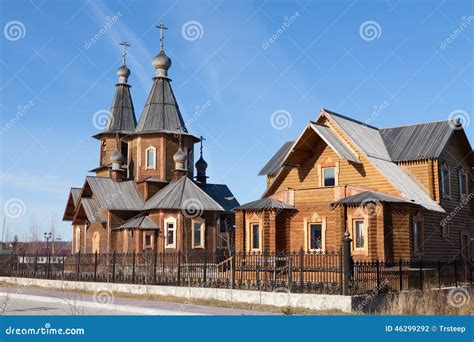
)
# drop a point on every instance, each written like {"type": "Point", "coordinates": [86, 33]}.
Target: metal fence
{"type": "Point", "coordinates": [300, 272]}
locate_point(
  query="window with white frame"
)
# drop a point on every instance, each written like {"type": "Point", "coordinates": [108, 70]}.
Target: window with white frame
{"type": "Point", "coordinates": [359, 235]}
{"type": "Point", "coordinates": [329, 176]}
{"type": "Point", "coordinates": [77, 242]}
{"type": "Point", "coordinates": [255, 234]}
{"type": "Point", "coordinates": [462, 183]}
{"type": "Point", "coordinates": [315, 233]}
{"type": "Point", "coordinates": [170, 233]}
{"type": "Point", "coordinates": [198, 233]}
{"type": "Point", "coordinates": [445, 181]}
{"type": "Point", "coordinates": [150, 157]}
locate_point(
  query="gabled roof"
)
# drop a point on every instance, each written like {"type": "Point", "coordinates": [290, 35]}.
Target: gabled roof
{"type": "Point", "coordinates": [417, 142]}
{"type": "Point", "coordinates": [274, 164]}
{"type": "Point", "coordinates": [264, 204]}
{"type": "Point", "coordinates": [368, 197]}
{"type": "Point", "coordinates": [161, 112]}
{"type": "Point", "coordinates": [92, 209]}
{"type": "Point", "coordinates": [142, 222]}
{"type": "Point", "coordinates": [334, 142]}
{"type": "Point", "coordinates": [71, 204]}
{"type": "Point", "coordinates": [221, 194]}
{"type": "Point", "coordinates": [113, 195]}
{"type": "Point", "coordinates": [182, 194]}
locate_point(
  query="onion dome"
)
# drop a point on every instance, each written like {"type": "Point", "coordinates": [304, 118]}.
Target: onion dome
{"type": "Point", "coordinates": [123, 73]}
{"type": "Point", "coordinates": [201, 165]}
{"type": "Point", "coordinates": [161, 63]}
{"type": "Point", "coordinates": [117, 157]}
{"type": "Point", "coordinates": [180, 159]}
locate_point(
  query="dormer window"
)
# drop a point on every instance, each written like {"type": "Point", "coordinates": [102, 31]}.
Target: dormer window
{"type": "Point", "coordinates": [329, 176]}
{"type": "Point", "coordinates": [463, 184]}
{"type": "Point", "coordinates": [150, 158]}
{"type": "Point", "coordinates": [445, 181]}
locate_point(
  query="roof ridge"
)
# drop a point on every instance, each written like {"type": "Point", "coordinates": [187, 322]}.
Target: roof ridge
{"type": "Point", "coordinates": [417, 124]}
{"type": "Point", "coordinates": [330, 112]}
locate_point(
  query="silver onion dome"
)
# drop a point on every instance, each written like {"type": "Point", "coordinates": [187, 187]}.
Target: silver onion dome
{"type": "Point", "coordinates": [180, 156]}
{"type": "Point", "coordinates": [161, 63]}
{"type": "Point", "coordinates": [123, 73]}
{"type": "Point", "coordinates": [117, 157]}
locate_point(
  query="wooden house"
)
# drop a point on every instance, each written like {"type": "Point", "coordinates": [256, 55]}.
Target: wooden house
{"type": "Point", "coordinates": [144, 195]}
{"type": "Point", "coordinates": [401, 193]}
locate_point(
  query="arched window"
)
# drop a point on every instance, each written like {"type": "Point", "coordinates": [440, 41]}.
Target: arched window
{"type": "Point", "coordinates": [150, 158]}
{"type": "Point", "coordinates": [96, 243]}
{"type": "Point", "coordinates": [463, 180]}
{"type": "Point", "coordinates": [77, 240]}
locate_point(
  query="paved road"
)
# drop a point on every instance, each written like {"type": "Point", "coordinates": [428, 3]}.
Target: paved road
{"type": "Point", "coordinates": [25, 301]}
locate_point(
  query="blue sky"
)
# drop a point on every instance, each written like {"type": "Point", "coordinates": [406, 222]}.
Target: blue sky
{"type": "Point", "coordinates": [384, 62]}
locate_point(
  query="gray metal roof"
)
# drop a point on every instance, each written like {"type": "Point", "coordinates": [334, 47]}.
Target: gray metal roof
{"type": "Point", "coordinates": [265, 203]}
{"type": "Point", "coordinates": [274, 164]}
{"type": "Point", "coordinates": [368, 197]}
{"type": "Point", "coordinates": [141, 222]}
{"type": "Point", "coordinates": [405, 184]}
{"type": "Point", "coordinates": [75, 193]}
{"type": "Point", "coordinates": [335, 143]}
{"type": "Point", "coordinates": [221, 194]}
{"type": "Point", "coordinates": [92, 210]}
{"type": "Point", "coordinates": [161, 112]}
{"type": "Point", "coordinates": [122, 115]}
{"type": "Point", "coordinates": [415, 142]}
{"type": "Point", "coordinates": [113, 195]}
{"type": "Point", "coordinates": [182, 194]}
{"type": "Point", "coordinates": [366, 137]}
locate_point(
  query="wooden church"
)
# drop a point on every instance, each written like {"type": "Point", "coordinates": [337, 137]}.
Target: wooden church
{"type": "Point", "coordinates": [145, 194]}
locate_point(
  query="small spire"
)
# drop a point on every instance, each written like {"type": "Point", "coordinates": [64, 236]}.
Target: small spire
{"type": "Point", "coordinates": [201, 167]}
{"type": "Point", "coordinates": [123, 72]}
{"type": "Point", "coordinates": [200, 149]}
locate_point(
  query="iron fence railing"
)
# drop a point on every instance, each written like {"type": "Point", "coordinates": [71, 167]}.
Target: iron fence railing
{"type": "Point", "coordinates": [301, 272]}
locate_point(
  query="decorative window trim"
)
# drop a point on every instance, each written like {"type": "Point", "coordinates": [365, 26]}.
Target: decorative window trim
{"type": "Point", "coordinates": [173, 221]}
{"type": "Point", "coordinates": [202, 222]}
{"type": "Point", "coordinates": [460, 174]}
{"type": "Point", "coordinates": [150, 234]}
{"type": "Point", "coordinates": [151, 148]}
{"type": "Point", "coordinates": [351, 219]}
{"type": "Point", "coordinates": [445, 186]}
{"type": "Point", "coordinates": [314, 219]}
{"type": "Point", "coordinates": [253, 219]}
{"type": "Point", "coordinates": [418, 218]}
{"type": "Point", "coordinates": [77, 238]}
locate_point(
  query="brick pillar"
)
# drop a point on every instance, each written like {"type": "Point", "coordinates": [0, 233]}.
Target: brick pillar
{"type": "Point", "coordinates": [270, 232]}
{"type": "Point", "coordinates": [380, 234]}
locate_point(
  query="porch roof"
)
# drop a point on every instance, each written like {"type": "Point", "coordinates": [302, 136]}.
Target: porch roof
{"type": "Point", "coordinates": [263, 204]}
{"type": "Point", "coordinates": [369, 197]}
{"type": "Point", "coordinates": [141, 222]}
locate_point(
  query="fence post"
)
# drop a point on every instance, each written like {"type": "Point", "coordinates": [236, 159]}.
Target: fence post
{"type": "Point", "coordinates": [155, 259]}
{"type": "Point", "coordinates": [400, 273]}
{"type": "Point", "coordinates": [341, 270]}
{"type": "Point", "coordinates": [205, 267]}
{"type": "Point", "coordinates": [36, 262]}
{"type": "Point", "coordinates": [347, 261]}
{"type": "Point", "coordinates": [439, 273]}
{"type": "Point", "coordinates": [455, 272]}
{"type": "Point", "coordinates": [133, 268]}
{"type": "Point", "coordinates": [378, 273]}
{"type": "Point", "coordinates": [64, 261]}
{"type": "Point", "coordinates": [78, 266]}
{"type": "Point", "coordinates": [179, 268]}
{"type": "Point", "coordinates": [421, 274]}
{"type": "Point", "coordinates": [95, 266]}
{"type": "Point", "coordinates": [290, 272]}
{"type": "Point", "coordinates": [48, 270]}
{"type": "Point", "coordinates": [113, 267]}
{"type": "Point", "coordinates": [301, 270]}
{"type": "Point", "coordinates": [257, 276]}
{"type": "Point", "coordinates": [232, 272]}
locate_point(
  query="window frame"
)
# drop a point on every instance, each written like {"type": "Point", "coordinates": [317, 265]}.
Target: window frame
{"type": "Point", "coordinates": [309, 239]}
{"type": "Point", "coordinates": [168, 221]}
{"type": "Point", "coordinates": [145, 236]}
{"type": "Point", "coordinates": [461, 174]}
{"type": "Point", "coordinates": [202, 233]}
{"type": "Point", "coordinates": [417, 247]}
{"type": "Point", "coordinates": [150, 149]}
{"type": "Point", "coordinates": [364, 234]}
{"type": "Point", "coordinates": [252, 225]}
{"type": "Point", "coordinates": [323, 177]}
{"type": "Point", "coordinates": [445, 183]}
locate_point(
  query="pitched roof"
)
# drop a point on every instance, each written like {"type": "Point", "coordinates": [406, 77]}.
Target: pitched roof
{"type": "Point", "coordinates": [265, 203]}
{"type": "Point", "coordinates": [122, 114]}
{"type": "Point", "coordinates": [221, 194]}
{"type": "Point", "coordinates": [92, 210]}
{"type": "Point", "coordinates": [113, 195]}
{"type": "Point", "coordinates": [415, 142]}
{"type": "Point", "coordinates": [75, 193]}
{"type": "Point", "coordinates": [161, 112]}
{"type": "Point", "coordinates": [274, 164]}
{"type": "Point", "coordinates": [182, 194]}
{"type": "Point", "coordinates": [141, 221]}
{"type": "Point", "coordinates": [71, 204]}
{"type": "Point", "coordinates": [367, 197]}
{"type": "Point", "coordinates": [334, 142]}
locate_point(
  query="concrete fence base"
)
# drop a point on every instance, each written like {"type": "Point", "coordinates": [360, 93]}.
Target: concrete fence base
{"type": "Point", "coordinates": [280, 297]}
